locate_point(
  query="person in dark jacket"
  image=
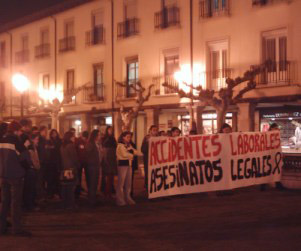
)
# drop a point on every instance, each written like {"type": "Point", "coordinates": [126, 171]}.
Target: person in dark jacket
{"type": "Point", "coordinates": [43, 160]}
{"type": "Point", "coordinates": [3, 129]}
{"type": "Point", "coordinates": [152, 132]}
{"type": "Point", "coordinates": [134, 164]}
{"type": "Point", "coordinates": [80, 145]}
{"type": "Point", "coordinates": [70, 166]}
{"type": "Point", "coordinates": [53, 147]}
{"type": "Point", "coordinates": [110, 160]}
{"type": "Point", "coordinates": [12, 177]}
{"type": "Point", "coordinates": [94, 158]}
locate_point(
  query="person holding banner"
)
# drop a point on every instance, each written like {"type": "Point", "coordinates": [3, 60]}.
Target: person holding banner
{"type": "Point", "coordinates": [273, 127]}
{"type": "Point", "coordinates": [175, 132]}
{"type": "Point", "coordinates": [152, 132]}
{"type": "Point", "coordinates": [125, 155]}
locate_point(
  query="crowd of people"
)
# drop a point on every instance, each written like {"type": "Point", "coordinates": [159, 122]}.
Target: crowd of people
{"type": "Point", "coordinates": [36, 166]}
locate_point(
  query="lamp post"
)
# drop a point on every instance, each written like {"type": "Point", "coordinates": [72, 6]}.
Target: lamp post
{"type": "Point", "coordinates": [21, 83]}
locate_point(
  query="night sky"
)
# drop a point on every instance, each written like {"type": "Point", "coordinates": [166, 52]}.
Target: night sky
{"type": "Point", "coordinates": [13, 9]}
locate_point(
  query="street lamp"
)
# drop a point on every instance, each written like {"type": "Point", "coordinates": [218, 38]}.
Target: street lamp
{"type": "Point", "coordinates": [21, 83]}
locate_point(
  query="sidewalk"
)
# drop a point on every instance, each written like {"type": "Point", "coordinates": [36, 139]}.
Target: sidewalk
{"type": "Point", "coordinates": [247, 220]}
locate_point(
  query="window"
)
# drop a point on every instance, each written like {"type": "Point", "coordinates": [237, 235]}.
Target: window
{"type": "Point", "coordinates": [168, 16]}
{"type": "Point", "coordinates": [171, 65]}
{"type": "Point", "coordinates": [217, 65]}
{"type": "Point", "coordinates": [96, 34]}
{"type": "Point", "coordinates": [70, 80]}
{"type": "Point", "coordinates": [22, 56]}
{"type": "Point", "coordinates": [24, 43]}
{"type": "Point", "coordinates": [209, 8]}
{"type": "Point", "coordinates": [132, 76]}
{"type": "Point", "coordinates": [98, 81]}
{"type": "Point", "coordinates": [68, 42]}
{"type": "Point", "coordinates": [44, 36]}
{"type": "Point", "coordinates": [130, 25]}
{"type": "Point", "coordinates": [274, 55]}
{"type": "Point", "coordinates": [2, 54]}
{"type": "Point", "coordinates": [46, 82]}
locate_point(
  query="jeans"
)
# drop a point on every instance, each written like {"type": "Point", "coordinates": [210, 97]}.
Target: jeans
{"type": "Point", "coordinates": [68, 195]}
{"type": "Point", "coordinates": [93, 178]}
{"type": "Point", "coordinates": [12, 191]}
{"type": "Point", "coordinates": [30, 188]}
{"type": "Point", "coordinates": [123, 191]}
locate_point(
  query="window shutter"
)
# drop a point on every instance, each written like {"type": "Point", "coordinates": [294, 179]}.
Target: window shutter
{"type": "Point", "coordinates": [282, 53]}
{"type": "Point", "coordinates": [224, 63]}
{"type": "Point", "coordinates": [214, 64]}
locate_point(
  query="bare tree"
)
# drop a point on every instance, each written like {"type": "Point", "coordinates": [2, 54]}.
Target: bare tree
{"type": "Point", "coordinates": [225, 96]}
{"type": "Point", "coordinates": [129, 114]}
{"type": "Point", "coordinates": [54, 108]}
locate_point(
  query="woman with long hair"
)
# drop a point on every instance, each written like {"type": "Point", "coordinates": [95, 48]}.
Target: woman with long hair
{"type": "Point", "coordinates": [110, 160]}
{"type": "Point", "coordinates": [93, 157]}
{"type": "Point", "coordinates": [125, 155]}
{"type": "Point", "coordinates": [70, 164]}
{"type": "Point", "coordinates": [53, 147]}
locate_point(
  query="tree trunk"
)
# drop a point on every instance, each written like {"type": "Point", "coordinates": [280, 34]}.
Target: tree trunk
{"type": "Point", "coordinates": [54, 120]}
{"type": "Point", "coordinates": [221, 117]}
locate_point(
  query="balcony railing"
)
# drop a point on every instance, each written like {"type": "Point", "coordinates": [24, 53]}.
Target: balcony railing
{"type": "Point", "coordinates": [95, 36]}
{"type": "Point", "coordinates": [167, 17]}
{"type": "Point", "coordinates": [22, 57]}
{"type": "Point", "coordinates": [42, 50]}
{"type": "Point", "coordinates": [276, 73]}
{"type": "Point", "coordinates": [266, 2]}
{"type": "Point", "coordinates": [215, 80]}
{"type": "Point", "coordinates": [67, 44]}
{"type": "Point", "coordinates": [127, 28]}
{"type": "Point", "coordinates": [160, 89]}
{"type": "Point", "coordinates": [210, 8]}
{"type": "Point", "coordinates": [93, 93]}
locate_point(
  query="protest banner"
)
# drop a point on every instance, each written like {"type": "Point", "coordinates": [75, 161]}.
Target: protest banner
{"type": "Point", "coordinates": [203, 163]}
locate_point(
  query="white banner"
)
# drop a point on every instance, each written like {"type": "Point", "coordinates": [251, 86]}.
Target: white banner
{"type": "Point", "coordinates": [203, 163]}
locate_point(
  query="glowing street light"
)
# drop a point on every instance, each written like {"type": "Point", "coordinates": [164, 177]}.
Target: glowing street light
{"type": "Point", "coordinates": [21, 83]}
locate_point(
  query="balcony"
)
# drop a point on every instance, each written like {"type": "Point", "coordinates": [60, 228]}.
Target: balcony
{"type": "Point", "coordinates": [267, 2]}
{"type": "Point", "coordinates": [161, 90]}
{"type": "Point", "coordinates": [129, 27]}
{"type": "Point", "coordinates": [22, 57]}
{"type": "Point", "coordinates": [212, 8]}
{"type": "Point", "coordinates": [93, 93]}
{"type": "Point", "coordinates": [95, 36]}
{"type": "Point", "coordinates": [167, 17]}
{"type": "Point", "coordinates": [215, 80]}
{"type": "Point", "coordinates": [42, 51]}
{"type": "Point", "coordinates": [276, 73]}
{"type": "Point", "coordinates": [67, 44]}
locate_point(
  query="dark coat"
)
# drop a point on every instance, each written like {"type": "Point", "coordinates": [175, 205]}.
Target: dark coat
{"type": "Point", "coordinates": [110, 158]}
{"type": "Point", "coordinates": [92, 154]}
{"type": "Point", "coordinates": [69, 158]}
{"type": "Point", "coordinates": [11, 156]}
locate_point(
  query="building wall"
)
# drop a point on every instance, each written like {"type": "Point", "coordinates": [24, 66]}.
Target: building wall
{"type": "Point", "coordinates": [242, 29]}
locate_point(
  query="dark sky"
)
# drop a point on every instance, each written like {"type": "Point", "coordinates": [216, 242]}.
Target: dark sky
{"type": "Point", "coordinates": [13, 9]}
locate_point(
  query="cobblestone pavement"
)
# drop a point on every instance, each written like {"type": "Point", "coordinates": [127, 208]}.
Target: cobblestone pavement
{"type": "Point", "coordinates": [247, 220]}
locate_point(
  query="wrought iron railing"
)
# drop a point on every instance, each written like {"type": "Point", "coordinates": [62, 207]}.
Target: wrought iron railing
{"type": "Point", "coordinates": [210, 8]}
{"type": "Point", "coordinates": [275, 72]}
{"type": "Point", "coordinates": [95, 36]}
{"type": "Point", "coordinates": [127, 28]}
{"type": "Point", "coordinates": [22, 57]}
{"type": "Point", "coordinates": [159, 89]}
{"type": "Point", "coordinates": [93, 93]}
{"type": "Point", "coordinates": [42, 50]}
{"type": "Point", "coordinates": [67, 44]}
{"type": "Point", "coordinates": [167, 17]}
{"type": "Point", "coordinates": [215, 80]}
{"type": "Point", "coordinates": [266, 2]}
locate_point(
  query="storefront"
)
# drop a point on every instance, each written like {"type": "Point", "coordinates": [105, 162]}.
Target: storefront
{"type": "Point", "coordinates": [289, 121]}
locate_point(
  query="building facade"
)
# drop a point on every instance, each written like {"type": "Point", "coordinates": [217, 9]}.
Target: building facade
{"type": "Point", "coordinates": [93, 44]}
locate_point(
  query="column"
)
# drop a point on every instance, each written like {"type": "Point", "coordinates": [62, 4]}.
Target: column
{"type": "Point", "coordinates": [152, 117]}
{"type": "Point", "coordinates": [86, 122]}
{"type": "Point", "coordinates": [246, 117]}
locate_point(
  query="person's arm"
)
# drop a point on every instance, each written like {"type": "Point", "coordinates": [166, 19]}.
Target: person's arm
{"type": "Point", "coordinates": [123, 153]}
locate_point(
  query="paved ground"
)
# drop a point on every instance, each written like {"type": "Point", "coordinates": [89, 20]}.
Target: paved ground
{"type": "Point", "coordinates": [246, 220]}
